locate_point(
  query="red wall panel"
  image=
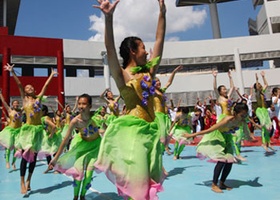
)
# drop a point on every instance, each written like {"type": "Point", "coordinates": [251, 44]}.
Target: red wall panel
{"type": "Point", "coordinates": [31, 46]}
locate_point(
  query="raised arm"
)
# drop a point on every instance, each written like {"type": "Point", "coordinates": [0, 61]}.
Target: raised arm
{"type": "Point", "coordinates": [171, 78]}
{"type": "Point", "coordinates": [60, 105]}
{"type": "Point", "coordinates": [108, 9]}
{"type": "Point", "coordinates": [258, 92]}
{"type": "Point", "coordinates": [238, 93]}
{"type": "Point", "coordinates": [160, 35]}
{"type": "Point", "coordinates": [47, 83]}
{"type": "Point", "coordinates": [215, 87]}
{"type": "Point", "coordinates": [231, 85]}
{"type": "Point", "coordinates": [10, 68]}
{"type": "Point", "coordinates": [117, 98]}
{"type": "Point", "coordinates": [265, 84]}
{"type": "Point", "coordinates": [251, 91]}
{"type": "Point", "coordinates": [76, 105]}
{"type": "Point", "coordinates": [102, 96]}
{"type": "Point", "coordinates": [7, 107]}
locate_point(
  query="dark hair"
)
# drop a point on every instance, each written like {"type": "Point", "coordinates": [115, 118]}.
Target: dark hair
{"type": "Point", "coordinates": [45, 109]}
{"type": "Point", "coordinates": [15, 101]}
{"type": "Point", "coordinates": [197, 109]}
{"type": "Point", "coordinates": [220, 88]}
{"type": "Point", "coordinates": [274, 90]}
{"type": "Point", "coordinates": [183, 109]}
{"type": "Point", "coordinates": [239, 107]}
{"type": "Point", "coordinates": [255, 86]}
{"type": "Point", "coordinates": [128, 44]}
{"type": "Point", "coordinates": [106, 94]}
{"type": "Point", "coordinates": [87, 97]}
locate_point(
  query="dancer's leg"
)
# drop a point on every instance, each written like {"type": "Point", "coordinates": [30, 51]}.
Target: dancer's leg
{"type": "Point", "coordinates": [86, 183]}
{"type": "Point", "coordinates": [77, 186]}
{"type": "Point", "coordinates": [23, 165]}
{"type": "Point", "coordinates": [7, 153]}
{"type": "Point", "coordinates": [14, 160]}
{"type": "Point", "coordinates": [225, 173]}
{"type": "Point", "coordinates": [31, 168]}
{"type": "Point", "coordinates": [217, 171]}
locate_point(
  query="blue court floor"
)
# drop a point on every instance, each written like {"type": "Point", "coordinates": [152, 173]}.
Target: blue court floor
{"type": "Point", "coordinates": [189, 178]}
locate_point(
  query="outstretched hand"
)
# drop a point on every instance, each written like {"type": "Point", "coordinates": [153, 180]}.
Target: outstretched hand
{"type": "Point", "coordinates": [162, 6]}
{"type": "Point", "coordinates": [52, 164]}
{"type": "Point", "coordinates": [214, 73]}
{"type": "Point", "coordinates": [179, 68]}
{"type": "Point", "coordinates": [9, 67]}
{"type": "Point", "coordinates": [229, 73]}
{"type": "Point", "coordinates": [187, 135]}
{"type": "Point", "coordinates": [53, 72]}
{"type": "Point", "coordinates": [106, 7]}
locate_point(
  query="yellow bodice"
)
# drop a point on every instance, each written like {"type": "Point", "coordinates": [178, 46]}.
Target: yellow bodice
{"type": "Point", "coordinates": [47, 127]}
{"type": "Point", "coordinates": [159, 102]}
{"type": "Point", "coordinates": [226, 107]}
{"type": "Point", "coordinates": [58, 121]}
{"type": "Point", "coordinates": [260, 98]}
{"type": "Point", "coordinates": [33, 113]}
{"type": "Point", "coordinates": [114, 108]}
{"type": "Point", "coordinates": [15, 119]}
{"type": "Point", "coordinates": [67, 118]}
{"type": "Point", "coordinates": [138, 97]}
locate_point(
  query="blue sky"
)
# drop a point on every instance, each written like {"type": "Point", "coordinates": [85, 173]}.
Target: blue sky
{"type": "Point", "coordinates": [76, 19]}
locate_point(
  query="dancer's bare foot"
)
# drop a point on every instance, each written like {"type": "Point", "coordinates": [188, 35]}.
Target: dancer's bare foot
{"type": "Point", "coordinates": [216, 189]}
{"type": "Point", "coordinates": [265, 147]}
{"type": "Point", "coordinates": [7, 165]}
{"type": "Point", "coordinates": [14, 166]}
{"type": "Point", "coordinates": [28, 188]}
{"type": "Point", "coordinates": [167, 151]}
{"type": "Point", "coordinates": [175, 158]}
{"type": "Point", "coordinates": [224, 187]}
{"type": "Point", "coordinates": [271, 148]}
{"type": "Point", "coordinates": [47, 170]}
{"type": "Point", "coordinates": [23, 189]}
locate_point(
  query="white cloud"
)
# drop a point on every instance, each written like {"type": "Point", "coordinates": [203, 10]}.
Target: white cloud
{"type": "Point", "coordinates": [139, 18]}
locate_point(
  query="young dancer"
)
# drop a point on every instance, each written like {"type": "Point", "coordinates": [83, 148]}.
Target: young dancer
{"type": "Point", "coordinates": [216, 144]}
{"type": "Point", "coordinates": [275, 98]}
{"type": "Point", "coordinates": [11, 130]}
{"type": "Point", "coordinates": [223, 97]}
{"type": "Point", "coordinates": [135, 164]}
{"type": "Point", "coordinates": [178, 129]}
{"type": "Point", "coordinates": [52, 137]}
{"type": "Point", "coordinates": [161, 110]}
{"type": "Point", "coordinates": [31, 133]}
{"type": "Point", "coordinates": [78, 161]}
{"type": "Point", "coordinates": [262, 112]}
{"type": "Point", "coordinates": [112, 104]}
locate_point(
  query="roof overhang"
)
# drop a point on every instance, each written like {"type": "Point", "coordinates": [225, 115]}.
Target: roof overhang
{"type": "Point", "coordinates": [11, 7]}
{"type": "Point", "coordinates": [198, 2]}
